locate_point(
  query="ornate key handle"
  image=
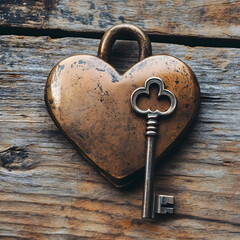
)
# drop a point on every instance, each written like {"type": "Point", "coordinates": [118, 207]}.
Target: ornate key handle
{"type": "Point", "coordinates": [162, 92]}
{"type": "Point", "coordinates": [153, 203]}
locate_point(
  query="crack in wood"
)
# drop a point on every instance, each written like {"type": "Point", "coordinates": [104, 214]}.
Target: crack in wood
{"type": "Point", "coordinates": [191, 41]}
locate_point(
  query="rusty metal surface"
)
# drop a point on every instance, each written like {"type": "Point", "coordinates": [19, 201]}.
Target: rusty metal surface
{"type": "Point", "coordinates": [90, 102]}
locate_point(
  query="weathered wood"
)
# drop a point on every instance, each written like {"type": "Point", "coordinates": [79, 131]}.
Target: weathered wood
{"type": "Point", "coordinates": [216, 18]}
{"type": "Point", "coordinates": [49, 192]}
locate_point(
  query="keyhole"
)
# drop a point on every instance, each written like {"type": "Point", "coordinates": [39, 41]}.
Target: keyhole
{"type": "Point", "coordinates": [152, 101]}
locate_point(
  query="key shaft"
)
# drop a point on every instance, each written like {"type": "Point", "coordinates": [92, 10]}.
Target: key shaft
{"type": "Point", "coordinates": [148, 196]}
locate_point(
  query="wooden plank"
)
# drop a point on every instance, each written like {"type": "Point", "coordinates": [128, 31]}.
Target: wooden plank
{"type": "Point", "coordinates": [49, 192]}
{"type": "Point", "coordinates": [214, 19]}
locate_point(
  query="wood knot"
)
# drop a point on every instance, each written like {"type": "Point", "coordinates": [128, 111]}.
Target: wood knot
{"type": "Point", "coordinates": [15, 158]}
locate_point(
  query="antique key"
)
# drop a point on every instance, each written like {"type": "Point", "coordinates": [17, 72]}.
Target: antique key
{"type": "Point", "coordinates": [153, 203]}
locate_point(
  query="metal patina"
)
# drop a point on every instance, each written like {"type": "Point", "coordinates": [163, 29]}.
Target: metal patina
{"type": "Point", "coordinates": [90, 103]}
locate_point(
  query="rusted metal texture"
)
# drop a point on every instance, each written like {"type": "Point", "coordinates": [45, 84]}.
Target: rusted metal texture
{"type": "Point", "coordinates": [90, 102]}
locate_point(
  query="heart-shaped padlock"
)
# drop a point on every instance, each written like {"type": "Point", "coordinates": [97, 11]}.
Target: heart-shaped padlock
{"type": "Point", "coordinates": [90, 103]}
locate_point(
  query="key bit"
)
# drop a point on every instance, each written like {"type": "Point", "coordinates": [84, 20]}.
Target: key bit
{"type": "Point", "coordinates": [163, 204]}
{"type": "Point", "coordinates": [152, 204]}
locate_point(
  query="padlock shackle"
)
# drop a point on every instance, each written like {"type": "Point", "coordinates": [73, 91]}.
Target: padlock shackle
{"type": "Point", "coordinates": [111, 35]}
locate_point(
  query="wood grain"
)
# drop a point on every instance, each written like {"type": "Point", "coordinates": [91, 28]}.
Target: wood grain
{"type": "Point", "coordinates": [214, 19]}
{"type": "Point", "coordinates": [48, 191]}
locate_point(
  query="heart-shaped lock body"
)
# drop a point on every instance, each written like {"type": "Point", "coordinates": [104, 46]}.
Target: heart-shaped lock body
{"type": "Point", "coordinates": [90, 103]}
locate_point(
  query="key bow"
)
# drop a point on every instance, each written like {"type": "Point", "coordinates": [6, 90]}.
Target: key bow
{"type": "Point", "coordinates": [162, 92]}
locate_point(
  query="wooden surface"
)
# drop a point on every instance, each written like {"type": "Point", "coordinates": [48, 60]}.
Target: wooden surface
{"type": "Point", "coordinates": [48, 191]}
{"type": "Point", "coordinates": [215, 18]}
